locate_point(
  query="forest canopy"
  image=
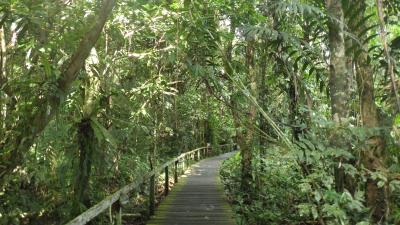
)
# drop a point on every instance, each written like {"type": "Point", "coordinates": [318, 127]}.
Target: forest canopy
{"type": "Point", "coordinates": [95, 93]}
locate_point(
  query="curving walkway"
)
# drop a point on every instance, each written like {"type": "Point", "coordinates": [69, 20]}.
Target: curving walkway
{"type": "Point", "coordinates": [198, 198]}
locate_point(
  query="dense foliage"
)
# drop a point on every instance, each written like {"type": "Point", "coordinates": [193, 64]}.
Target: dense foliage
{"type": "Point", "coordinates": [95, 93]}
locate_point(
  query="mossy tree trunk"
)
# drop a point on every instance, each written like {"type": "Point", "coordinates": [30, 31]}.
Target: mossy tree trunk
{"type": "Point", "coordinates": [87, 145]}
{"type": "Point", "coordinates": [338, 83]}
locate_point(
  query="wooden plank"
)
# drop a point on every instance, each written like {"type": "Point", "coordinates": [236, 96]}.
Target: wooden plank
{"type": "Point", "coordinates": [197, 200]}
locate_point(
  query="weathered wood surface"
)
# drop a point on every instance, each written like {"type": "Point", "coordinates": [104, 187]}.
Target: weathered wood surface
{"type": "Point", "coordinates": [198, 198]}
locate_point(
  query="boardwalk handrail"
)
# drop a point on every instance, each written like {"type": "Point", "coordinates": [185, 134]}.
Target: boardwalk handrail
{"type": "Point", "coordinates": [122, 194]}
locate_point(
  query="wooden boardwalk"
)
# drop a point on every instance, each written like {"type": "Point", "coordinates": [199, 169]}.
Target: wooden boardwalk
{"type": "Point", "coordinates": [197, 199]}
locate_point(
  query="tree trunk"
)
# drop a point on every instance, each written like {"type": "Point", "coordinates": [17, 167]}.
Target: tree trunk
{"type": "Point", "coordinates": [338, 81]}
{"type": "Point", "coordinates": [245, 138]}
{"type": "Point", "coordinates": [3, 60]}
{"type": "Point", "coordinates": [295, 117]}
{"type": "Point", "coordinates": [350, 181]}
{"type": "Point", "coordinates": [246, 149]}
{"type": "Point", "coordinates": [372, 157]}
{"type": "Point", "coordinates": [87, 145]}
{"type": "Point", "coordinates": [263, 98]}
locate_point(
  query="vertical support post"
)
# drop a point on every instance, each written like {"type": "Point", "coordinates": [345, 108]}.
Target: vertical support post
{"type": "Point", "coordinates": [166, 184]}
{"type": "Point", "coordinates": [119, 216]}
{"type": "Point", "coordinates": [110, 215]}
{"type": "Point", "coordinates": [115, 212]}
{"type": "Point", "coordinates": [176, 172]}
{"type": "Point", "coordinates": [183, 165]}
{"type": "Point", "coordinates": [198, 155]}
{"type": "Point", "coordinates": [152, 195]}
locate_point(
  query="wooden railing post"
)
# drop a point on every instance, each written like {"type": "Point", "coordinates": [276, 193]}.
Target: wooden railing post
{"type": "Point", "coordinates": [110, 215]}
{"type": "Point", "coordinates": [119, 216]}
{"type": "Point", "coordinates": [176, 172]}
{"type": "Point", "coordinates": [198, 155]}
{"type": "Point", "coordinates": [152, 195]}
{"type": "Point", "coordinates": [166, 184]}
{"type": "Point", "coordinates": [115, 213]}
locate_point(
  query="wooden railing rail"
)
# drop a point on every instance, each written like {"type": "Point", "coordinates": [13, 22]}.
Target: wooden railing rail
{"type": "Point", "coordinates": [121, 196]}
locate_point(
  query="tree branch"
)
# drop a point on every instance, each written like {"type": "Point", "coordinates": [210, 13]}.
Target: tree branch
{"type": "Point", "coordinates": [24, 133]}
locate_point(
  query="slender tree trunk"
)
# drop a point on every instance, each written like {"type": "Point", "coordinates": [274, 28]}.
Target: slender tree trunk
{"type": "Point", "coordinates": [338, 81]}
{"type": "Point", "coordinates": [386, 49]}
{"type": "Point", "coordinates": [263, 98]}
{"type": "Point", "coordinates": [208, 131]}
{"type": "Point", "coordinates": [241, 138]}
{"type": "Point", "coordinates": [350, 181]}
{"type": "Point", "coordinates": [338, 78]}
{"type": "Point", "coordinates": [3, 60]}
{"type": "Point", "coordinates": [208, 127]}
{"type": "Point", "coordinates": [295, 117]}
{"type": "Point", "coordinates": [247, 150]}
{"type": "Point", "coordinates": [372, 157]}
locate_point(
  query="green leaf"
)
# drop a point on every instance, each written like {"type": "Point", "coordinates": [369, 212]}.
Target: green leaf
{"type": "Point", "coordinates": [363, 223]}
{"type": "Point", "coordinates": [102, 133]}
{"type": "Point", "coordinates": [314, 212]}
{"type": "Point", "coordinates": [397, 120]}
{"type": "Point", "coordinates": [317, 196]}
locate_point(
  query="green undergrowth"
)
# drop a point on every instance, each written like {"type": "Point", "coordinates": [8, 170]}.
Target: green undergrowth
{"type": "Point", "coordinates": [282, 193]}
{"type": "Point", "coordinates": [276, 189]}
